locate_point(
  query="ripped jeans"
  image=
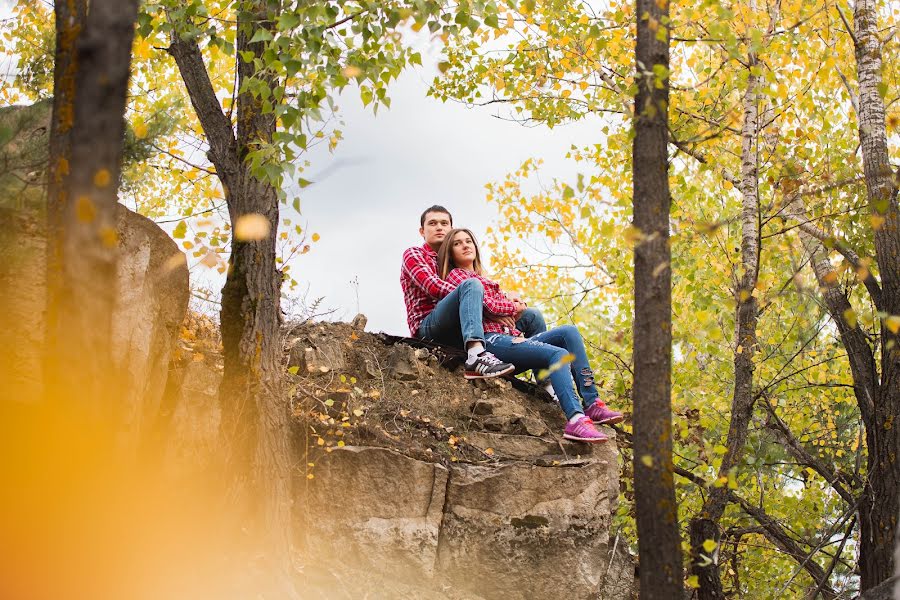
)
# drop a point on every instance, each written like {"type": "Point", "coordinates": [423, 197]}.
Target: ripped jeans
{"type": "Point", "coordinates": [548, 348]}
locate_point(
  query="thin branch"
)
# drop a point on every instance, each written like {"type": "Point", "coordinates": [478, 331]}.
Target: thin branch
{"type": "Point", "coordinates": [793, 446]}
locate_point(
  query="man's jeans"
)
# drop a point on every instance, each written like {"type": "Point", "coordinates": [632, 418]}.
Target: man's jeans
{"type": "Point", "coordinates": [457, 317]}
{"type": "Point", "coordinates": [546, 349]}
{"type": "Point", "coordinates": [531, 322]}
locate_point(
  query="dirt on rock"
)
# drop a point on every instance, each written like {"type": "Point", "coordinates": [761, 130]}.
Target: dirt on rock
{"type": "Point", "coordinates": [350, 387]}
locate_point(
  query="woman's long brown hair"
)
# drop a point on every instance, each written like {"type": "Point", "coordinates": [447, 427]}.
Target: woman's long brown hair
{"type": "Point", "coordinates": [445, 254]}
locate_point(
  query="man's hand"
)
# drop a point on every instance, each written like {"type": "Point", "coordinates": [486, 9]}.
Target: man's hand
{"type": "Point", "coordinates": [514, 296]}
{"type": "Point", "coordinates": [520, 308]}
{"type": "Point", "coordinates": [507, 321]}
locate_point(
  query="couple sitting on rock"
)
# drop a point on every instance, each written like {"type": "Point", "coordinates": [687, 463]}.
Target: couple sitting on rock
{"type": "Point", "coordinates": [450, 301]}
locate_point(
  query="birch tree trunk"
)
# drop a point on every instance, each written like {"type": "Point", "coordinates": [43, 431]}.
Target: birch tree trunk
{"type": "Point", "coordinates": [706, 525]}
{"type": "Point", "coordinates": [878, 514]}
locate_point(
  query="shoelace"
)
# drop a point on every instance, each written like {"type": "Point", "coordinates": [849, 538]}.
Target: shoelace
{"type": "Point", "coordinates": [490, 359]}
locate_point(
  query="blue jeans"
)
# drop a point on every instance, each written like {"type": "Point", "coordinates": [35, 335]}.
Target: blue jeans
{"type": "Point", "coordinates": [548, 348]}
{"type": "Point", "coordinates": [457, 317]}
{"type": "Point", "coordinates": [531, 322]}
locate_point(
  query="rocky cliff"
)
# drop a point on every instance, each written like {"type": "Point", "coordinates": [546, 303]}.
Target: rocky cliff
{"type": "Point", "coordinates": [413, 482]}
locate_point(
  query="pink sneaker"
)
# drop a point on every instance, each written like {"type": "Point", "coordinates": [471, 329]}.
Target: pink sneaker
{"type": "Point", "coordinates": [602, 414]}
{"type": "Point", "coordinates": [583, 430]}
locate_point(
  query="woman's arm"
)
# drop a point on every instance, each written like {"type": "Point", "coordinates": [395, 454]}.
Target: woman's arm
{"type": "Point", "coordinates": [495, 301]}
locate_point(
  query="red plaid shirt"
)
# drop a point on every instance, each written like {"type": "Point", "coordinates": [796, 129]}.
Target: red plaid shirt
{"type": "Point", "coordinates": [495, 301]}
{"type": "Point", "coordinates": [422, 288]}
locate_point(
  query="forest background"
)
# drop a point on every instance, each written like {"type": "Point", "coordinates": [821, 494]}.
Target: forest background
{"type": "Point", "coordinates": [781, 331]}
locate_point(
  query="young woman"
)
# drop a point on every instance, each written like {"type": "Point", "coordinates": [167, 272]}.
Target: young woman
{"type": "Point", "coordinates": [459, 260]}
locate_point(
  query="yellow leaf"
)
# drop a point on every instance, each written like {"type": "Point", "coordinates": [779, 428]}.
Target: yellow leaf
{"type": "Point", "coordinates": [850, 317]}
{"type": "Point", "coordinates": [85, 209]}
{"type": "Point", "coordinates": [210, 260]}
{"type": "Point", "coordinates": [709, 545]}
{"type": "Point", "coordinates": [316, 237]}
{"type": "Point", "coordinates": [566, 359]}
{"type": "Point", "coordinates": [351, 71]}
{"type": "Point", "coordinates": [877, 221]}
{"type": "Point", "coordinates": [251, 227]}
{"type": "Point", "coordinates": [632, 234]}
{"type": "Point", "coordinates": [102, 178]}
{"type": "Point", "coordinates": [893, 323]}
{"type": "Point", "coordinates": [647, 460]}
{"type": "Point", "coordinates": [693, 582]}
{"type": "Point", "coordinates": [140, 130]}
{"type": "Point", "coordinates": [109, 237]}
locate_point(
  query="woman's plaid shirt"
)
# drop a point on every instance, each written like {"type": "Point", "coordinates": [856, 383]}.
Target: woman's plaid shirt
{"type": "Point", "coordinates": [495, 301]}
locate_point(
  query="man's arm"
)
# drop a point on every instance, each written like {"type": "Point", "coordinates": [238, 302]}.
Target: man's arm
{"type": "Point", "coordinates": [418, 267]}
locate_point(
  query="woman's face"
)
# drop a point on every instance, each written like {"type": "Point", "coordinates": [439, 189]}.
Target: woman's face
{"type": "Point", "coordinates": [463, 249]}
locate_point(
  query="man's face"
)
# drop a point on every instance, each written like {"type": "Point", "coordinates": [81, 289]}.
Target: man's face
{"type": "Point", "coordinates": [437, 226]}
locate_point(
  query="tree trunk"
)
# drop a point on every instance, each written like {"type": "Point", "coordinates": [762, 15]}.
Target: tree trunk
{"type": "Point", "coordinates": [70, 22]}
{"type": "Point", "coordinates": [255, 420]}
{"type": "Point", "coordinates": [878, 514]}
{"type": "Point", "coordinates": [705, 563]}
{"type": "Point", "coordinates": [87, 141]}
{"type": "Point", "coordinates": [659, 544]}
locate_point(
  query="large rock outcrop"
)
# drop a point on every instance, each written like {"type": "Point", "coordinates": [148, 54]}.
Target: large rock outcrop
{"type": "Point", "coordinates": [153, 290]}
{"type": "Point", "coordinates": [152, 282]}
{"type": "Point", "coordinates": [419, 476]}
{"type": "Point", "coordinates": [507, 530]}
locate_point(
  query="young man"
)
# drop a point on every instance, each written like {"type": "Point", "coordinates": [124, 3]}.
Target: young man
{"type": "Point", "coordinates": [438, 311]}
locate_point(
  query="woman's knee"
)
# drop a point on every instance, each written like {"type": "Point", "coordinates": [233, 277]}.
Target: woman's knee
{"type": "Point", "coordinates": [471, 285]}
{"type": "Point", "coordinates": [558, 355]}
{"type": "Point", "coordinates": [569, 331]}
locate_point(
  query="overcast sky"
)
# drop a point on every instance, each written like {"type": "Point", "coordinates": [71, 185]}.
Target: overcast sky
{"type": "Point", "coordinates": [385, 171]}
{"type": "Point", "coordinates": [389, 168]}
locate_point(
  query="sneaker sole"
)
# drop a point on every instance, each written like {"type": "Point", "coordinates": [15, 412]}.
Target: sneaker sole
{"type": "Point", "coordinates": [611, 421]}
{"type": "Point", "coordinates": [474, 375]}
{"type": "Point", "coordinates": [586, 440]}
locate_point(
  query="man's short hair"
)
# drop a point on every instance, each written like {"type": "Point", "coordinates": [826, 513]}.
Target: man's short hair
{"type": "Point", "coordinates": [438, 209]}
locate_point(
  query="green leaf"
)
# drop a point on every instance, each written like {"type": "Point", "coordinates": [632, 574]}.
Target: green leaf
{"type": "Point", "coordinates": [288, 20]}
{"type": "Point", "coordinates": [180, 230]}
{"type": "Point", "coordinates": [261, 35]}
